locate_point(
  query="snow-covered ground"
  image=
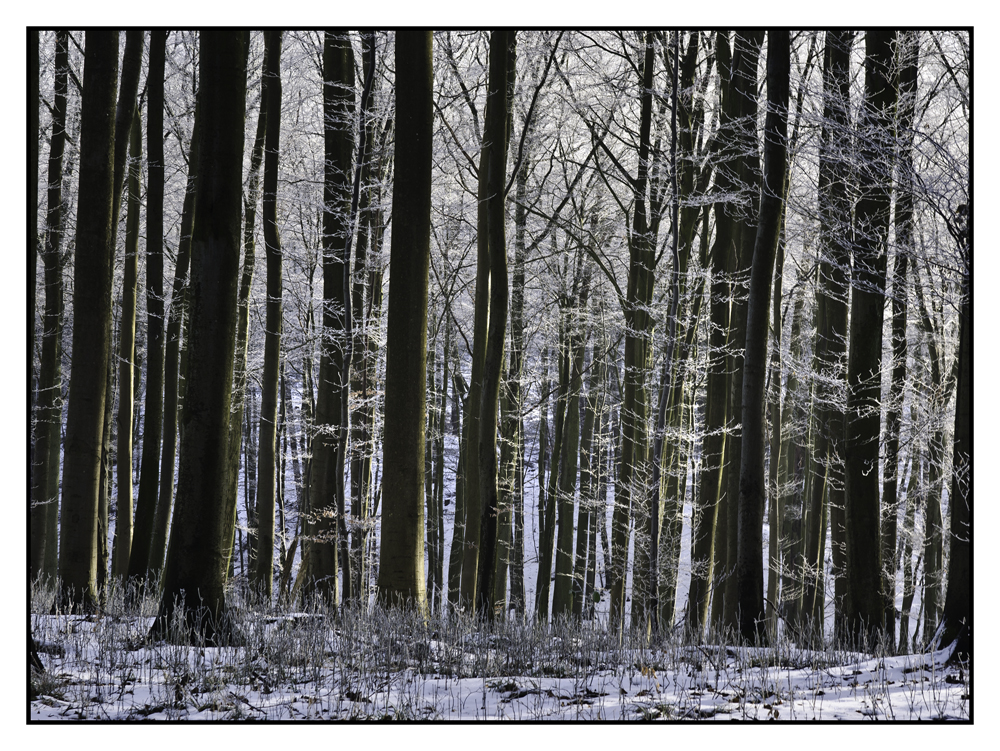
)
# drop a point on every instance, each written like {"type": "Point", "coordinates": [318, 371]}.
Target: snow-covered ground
{"type": "Point", "coordinates": [310, 667]}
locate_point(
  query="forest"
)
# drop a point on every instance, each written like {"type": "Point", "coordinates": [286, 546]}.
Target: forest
{"type": "Point", "coordinates": [662, 336]}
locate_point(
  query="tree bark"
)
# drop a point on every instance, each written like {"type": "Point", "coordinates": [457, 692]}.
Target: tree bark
{"type": "Point", "coordinates": [261, 575]}
{"type": "Point", "coordinates": [45, 475]}
{"type": "Point", "coordinates": [145, 504]}
{"type": "Point", "coordinates": [128, 373]}
{"type": "Point", "coordinates": [630, 497]}
{"type": "Point", "coordinates": [753, 485]}
{"type": "Point", "coordinates": [746, 52]}
{"type": "Point", "coordinates": [957, 614]}
{"type": "Point", "coordinates": [91, 322]}
{"type": "Point", "coordinates": [150, 566]}
{"type": "Point", "coordinates": [864, 558]}
{"type": "Point", "coordinates": [197, 561]}
{"type": "Point", "coordinates": [239, 427]}
{"type": "Point", "coordinates": [327, 476]}
{"type": "Point", "coordinates": [401, 560]}
{"type": "Point", "coordinates": [903, 221]}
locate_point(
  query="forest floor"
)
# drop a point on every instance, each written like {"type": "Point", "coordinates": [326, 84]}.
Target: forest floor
{"type": "Point", "coordinates": [378, 665]}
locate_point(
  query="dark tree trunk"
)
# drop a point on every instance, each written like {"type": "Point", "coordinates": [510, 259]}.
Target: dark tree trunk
{"type": "Point", "coordinates": [45, 476]}
{"type": "Point", "coordinates": [151, 530]}
{"type": "Point", "coordinates": [197, 560]}
{"type": "Point", "coordinates": [239, 427]}
{"type": "Point", "coordinates": [91, 322]}
{"type": "Point", "coordinates": [864, 556]}
{"type": "Point", "coordinates": [630, 496]}
{"type": "Point", "coordinates": [903, 221]}
{"type": "Point", "coordinates": [327, 471]}
{"type": "Point", "coordinates": [128, 371]}
{"type": "Point", "coordinates": [753, 484]}
{"type": "Point", "coordinates": [145, 505]}
{"type": "Point", "coordinates": [707, 512]}
{"type": "Point", "coordinates": [401, 560]}
{"type": "Point", "coordinates": [746, 53]}
{"type": "Point", "coordinates": [261, 576]}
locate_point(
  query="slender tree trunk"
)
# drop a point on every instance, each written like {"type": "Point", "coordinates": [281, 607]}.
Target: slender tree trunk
{"type": "Point", "coordinates": [547, 506]}
{"type": "Point", "coordinates": [239, 426]}
{"type": "Point", "coordinates": [498, 127]}
{"type": "Point", "coordinates": [864, 559]}
{"type": "Point", "coordinates": [515, 380]}
{"type": "Point", "coordinates": [48, 401]}
{"type": "Point", "coordinates": [326, 502]}
{"type": "Point", "coordinates": [909, 533]}
{"type": "Point", "coordinates": [753, 485]}
{"type": "Point", "coordinates": [958, 603]}
{"type": "Point", "coordinates": [36, 519]}
{"type": "Point", "coordinates": [747, 49]}
{"type": "Point", "coordinates": [401, 559]}
{"type": "Point", "coordinates": [262, 575]}
{"type": "Point", "coordinates": [366, 298]}
{"type": "Point", "coordinates": [562, 596]}
{"type": "Point", "coordinates": [128, 372]}
{"type": "Point", "coordinates": [91, 323]}
{"type": "Point", "coordinates": [145, 505]}
{"type": "Point", "coordinates": [630, 489]}
{"type": "Point", "coordinates": [158, 524]}
{"type": "Point", "coordinates": [197, 561]}
{"type": "Point", "coordinates": [903, 221]}
{"type": "Point", "coordinates": [724, 256]}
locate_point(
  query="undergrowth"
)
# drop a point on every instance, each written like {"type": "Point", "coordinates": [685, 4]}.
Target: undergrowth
{"type": "Point", "coordinates": [317, 662]}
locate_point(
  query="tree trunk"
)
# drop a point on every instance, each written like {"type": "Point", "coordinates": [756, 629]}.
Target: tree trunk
{"type": "Point", "coordinates": [958, 604]}
{"type": "Point", "coordinates": [366, 298]}
{"type": "Point", "coordinates": [499, 106]}
{"type": "Point", "coordinates": [151, 530]}
{"type": "Point", "coordinates": [864, 558]}
{"type": "Point", "coordinates": [128, 372]}
{"type": "Point", "coordinates": [562, 596]}
{"type": "Point", "coordinates": [630, 496]}
{"type": "Point", "coordinates": [197, 561]}
{"type": "Point", "coordinates": [262, 576]}
{"type": "Point", "coordinates": [401, 559]}
{"type": "Point", "coordinates": [904, 240]}
{"type": "Point", "coordinates": [753, 485]}
{"type": "Point", "coordinates": [145, 505]}
{"type": "Point", "coordinates": [327, 476]}
{"type": "Point", "coordinates": [746, 52]}
{"type": "Point", "coordinates": [91, 323]}
{"type": "Point", "coordinates": [48, 402]}
{"type": "Point", "coordinates": [239, 427]}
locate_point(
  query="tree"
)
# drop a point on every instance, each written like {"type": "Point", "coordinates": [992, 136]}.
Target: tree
{"type": "Point", "coordinates": [903, 220]}
{"type": "Point", "coordinates": [864, 560]}
{"type": "Point", "coordinates": [490, 329]}
{"type": "Point", "coordinates": [197, 560]}
{"type": "Point", "coordinates": [34, 104]}
{"type": "Point", "coordinates": [753, 486]}
{"type": "Point", "coordinates": [91, 323]}
{"type": "Point", "coordinates": [128, 373]}
{"type": "Point", "coordinates": [401, 559]}
{"type": "Point", "coordinates": [45, 468]}
{"type": "Point", "coordinates": [830, 351]}
{"type": "Point", "coordinates": [152, 434]}
{"type": "Point", "coordinates": [171, 378]}
{"type": "Point", "coordinates": [261, 575]}
{"type": "Point", "coordinates": [746, 53]}
{"type": "Point", "coordinates": [957, 616]}
{"type": "Point", "coordinates": [713, 450]}
{"type": "Point", "coordinates": [326, 490]}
